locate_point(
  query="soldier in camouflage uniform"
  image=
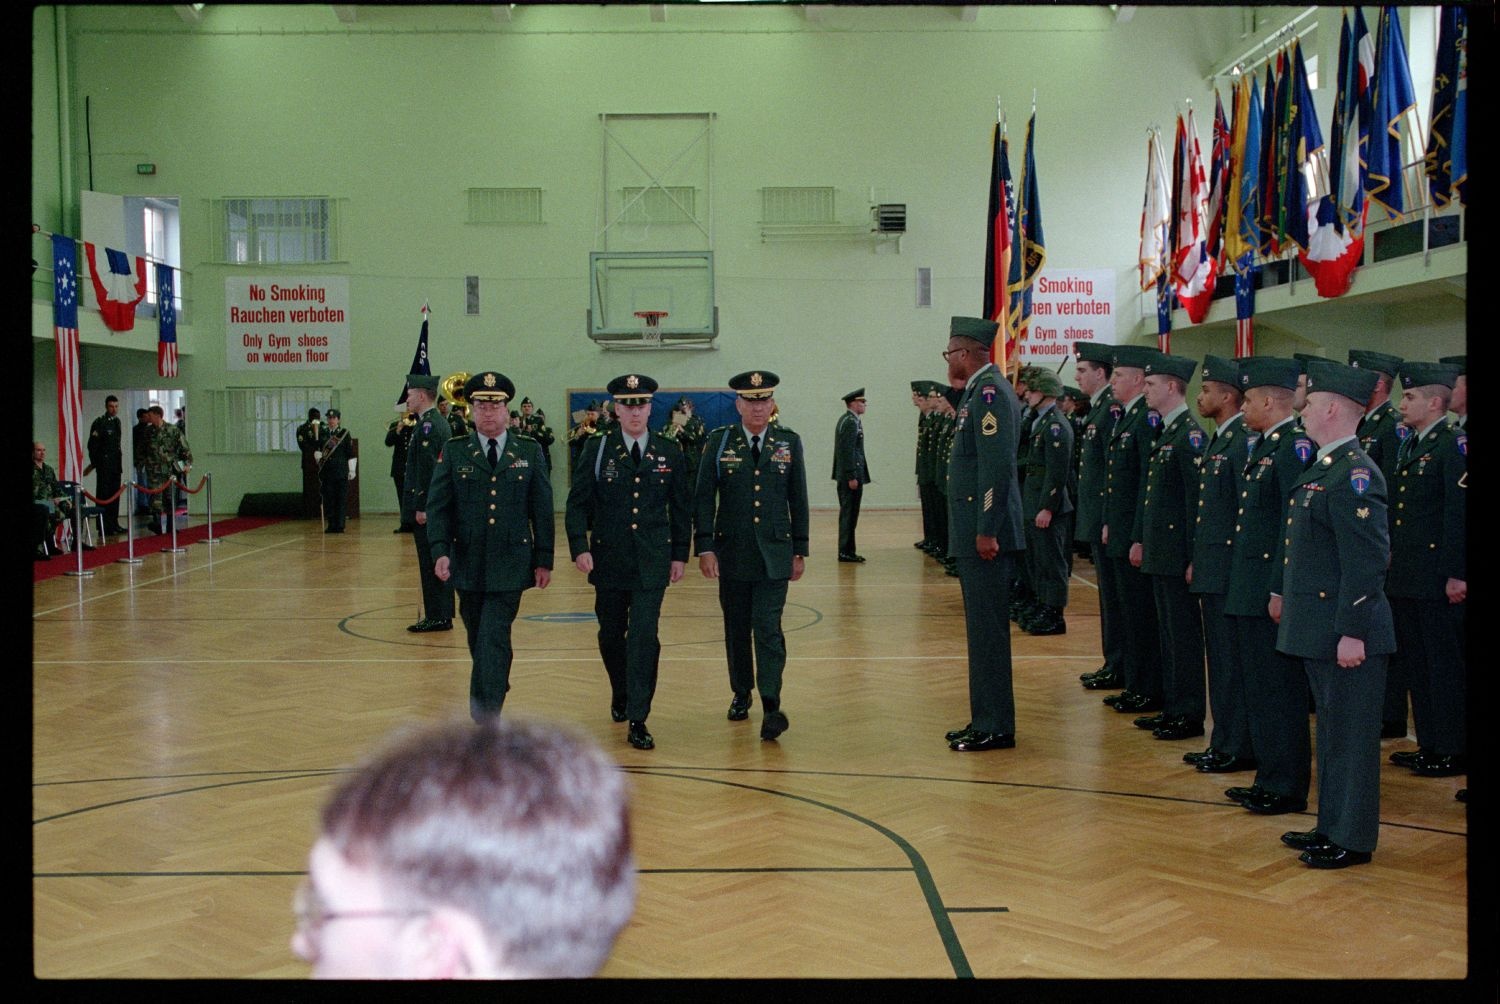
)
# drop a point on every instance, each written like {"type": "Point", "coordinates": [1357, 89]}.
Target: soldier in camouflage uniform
{"type": "Point", "coordinates": [167, 455]}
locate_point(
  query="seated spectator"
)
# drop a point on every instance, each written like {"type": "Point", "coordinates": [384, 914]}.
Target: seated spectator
{"type": "Point", "coordinates": [483, 851]}
{"type": "Point", "coordinates": [49, 504]}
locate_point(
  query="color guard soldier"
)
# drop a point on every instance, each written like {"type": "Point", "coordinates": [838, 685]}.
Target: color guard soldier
{"type": "Point", "coordinates": [1094, 368]}
{"type": "Point", "coordinates": [1220, 471]}
{"type": "Point", "coordinates": [1047, 506]}
{"type": "Point", "coordinates": [1276, 694]}
{"type": "Point", "coordinates": [851, 472]}
{"type": "Point", "coordinates": [752, 535]}
{"type": "Point", "coordinates": [1328, 597]}
{"type": "Point", "coordinates": [429, 435]}
{"type": "Point", "coordinates": [1428, 579]}
{"type": "Point", "coordinates": [1126, 462]}
{"type": "Point", "coordinates": [489, 518]}
{"type": "Point", "coordinates": [631, 489]}
{"type": "Point", "coordinates": [1165, 529]}
{"type": "Point", "coordinates": [984, 521]}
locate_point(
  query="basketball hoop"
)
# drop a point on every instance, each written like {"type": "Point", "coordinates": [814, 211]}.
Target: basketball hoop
{"type": "Point", "coordinates": [651, 325]}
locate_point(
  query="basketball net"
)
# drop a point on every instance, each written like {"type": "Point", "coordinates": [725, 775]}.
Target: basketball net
{"type": "Point", "coordinates": [651, 325]}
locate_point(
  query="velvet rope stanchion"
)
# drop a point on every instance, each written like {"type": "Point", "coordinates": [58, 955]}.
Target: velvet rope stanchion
{"type": "Point", "coordinates": [130, 558]}
{"type": "Point", "coordinates": [205, 481]}
{"type": "Point", "coordinates": [79, 572]}
{"type": "Point", "coordinates": [172, 517]}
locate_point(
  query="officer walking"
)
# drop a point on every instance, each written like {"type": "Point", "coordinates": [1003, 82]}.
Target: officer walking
{"type": "Point", "coordinates": [430, 434]}
{"type": "Point", "coordinates": [489, 520]}
{"type": "Point", "coordinates": [752, 535]}
{"type": "Point", "coordinates": [850, 471]}
{"type": "Point", "coordinates": [631, 488]}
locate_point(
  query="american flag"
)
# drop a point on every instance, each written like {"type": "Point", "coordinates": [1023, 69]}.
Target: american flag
{"type": "Point", "coordinates": [166, 346]}
{"type": "Point", "coordinates": [65, 327]}
{"type": "Point", "coordinates": [1244, 307]}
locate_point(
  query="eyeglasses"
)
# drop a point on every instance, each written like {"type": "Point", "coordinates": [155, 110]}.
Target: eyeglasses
{"type": "Point", "coordinates": [313, 914]}
{"type": "Point", "coordinates": [952, 352]}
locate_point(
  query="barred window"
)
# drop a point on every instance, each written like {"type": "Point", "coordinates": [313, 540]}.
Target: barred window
{"type": "Point", "coordinates": [254, 231]}
{"type": "Point", "coordinates": [265, 419]}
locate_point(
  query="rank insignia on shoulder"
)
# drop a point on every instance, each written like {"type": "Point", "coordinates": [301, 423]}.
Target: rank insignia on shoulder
{"type": "Point", "coordinates": [1304, 448]}
{"type": "Point", "coordinates": [988, 424]}
{"type": "Point", "coordinates": [988, 392]}
{"type": "Point", "coordinates": [1363, 512]}
{"type": "Point", "coordinates": [1359, 480]}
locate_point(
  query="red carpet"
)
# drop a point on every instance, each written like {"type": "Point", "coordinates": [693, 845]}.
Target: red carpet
{"type": "Point", "coordinates": [146, 543]}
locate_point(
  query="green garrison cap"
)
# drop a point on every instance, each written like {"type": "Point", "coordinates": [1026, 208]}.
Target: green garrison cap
{"type": "Point", "coordinates": [1076, 395]}
{"type": "Point", "coordinates": [1136, 355]}
{"type": "Point", "coordinates": [1045, 382]}
{"type": "Point", "coordinates": [422, 381]}
{"type": "Point", "coordinates": [1095, 352]}
{"type": "Point", "coordinates": [1419, 374]}
{"type": "Point", "coordinates": [1354, 382]}
{"type": "Point", "coordinates": [975, 328]}
{"type": "Point", "coordinates": [854, 395]}
{"type": "Point", "coordinates": [1380, 362]}
{"type": "Point", "coordinates": [489, 386]}
{"type": "Point", "coordinates": [1221, 370]}
{"type": "Point", "coordinates": [1462, 362]}
{"type": "Point", "coordinates": [754, 385]}
{"type": "Point", "coordinates": [931, 387]}
{"type": "Point", "coordinates": [1269, 371]}
{"type": "Point", "coordinates": [919, 387]}
{"type": "Point", "coordinates": [1307, 357]}
{"type": "Point", "coordinates": [334, 413]}
{"type": "Point", "coordinates": [632, 388]}
{"type": "Point", "coordinates": [1180, 367]}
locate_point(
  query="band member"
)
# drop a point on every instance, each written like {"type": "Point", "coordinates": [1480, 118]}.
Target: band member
{"type": "Point", "coordinates": [333, 473]}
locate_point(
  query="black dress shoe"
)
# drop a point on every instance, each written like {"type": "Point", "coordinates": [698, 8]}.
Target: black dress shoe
{"type": "Point", "coordinates": [1462, 795]}
{"type": "Point", "coordinates": [1114, 699]}
{"type": "Point", "coordinates": [739, 708]}
{"type": "Point", "coordinates": [1271, 804]}
{"type": "Point", "coordinates": [1224, 763]}
{"type": "Point", "coordinates": [639, 737]}
{"type": "Point", "coordinates": [1405, 758]}
{"type": "Point", "coordinates": [1149, 722]}
{"type": "Point", "coordinates": [1333, 856]}
{"type": "Point", "coordinates": [773, 724]}
{"type": "Point", "coordinates": [1138, 703]}
{"type": "Point", "coordinates": [1393, 730]}
{"type": "Point", "coordinates": [116, 529]}
{"type": "Point", "coordinates": [431, 624]}
{"type": "Point", "coordinates": [1240, 794]}
{"type": "Point", "coordinates": [978, 742]}
{"type": "Point", "coordinates": [1106, 681]}
{"type": "Point", "coordinates": [1306, 841]}
{"type": "Point", "coordinates": [1178, 729]}
{"type": "Point", "coordinates": [419, 626]}
{"type": "Point", "coordinates": [1193, 758]}
{"type": "Point", "coordinates": [1431, 765]}
{"type": "Point", "coordinates": [617, 712]}
{"type": "Point", "coordinates": [1095, 674]}
{"type": "Point", "coordinates": [959, 733]}
{"type": "Point", "coordinates": [849, 557]}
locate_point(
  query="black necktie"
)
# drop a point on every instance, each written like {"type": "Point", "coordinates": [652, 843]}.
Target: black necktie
{"type": "Point", "coordinates": [755, 450]}
{"type": "Point", "coordinates": [494, 454]}
{"type": "Point", "coordinates": [635, 451]}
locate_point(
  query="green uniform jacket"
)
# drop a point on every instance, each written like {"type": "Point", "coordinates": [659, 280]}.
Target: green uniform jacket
{"type": "Point", "coordinates": [1220, 470]}
{"type": "Point", "coordinates": [642, 516]}
{"type": "Point", "coordinates": [1379, 439]}
{"type": "Point", "coordinates": [754, 518]}
{"type": "Point", "coordinates": [1125, 464]}
{"type": "Point", "coordinates": [428, 437]}
{"type": "Point", "coordinates": [1164, 519]}
{"type": "Point", "coordinates": [1332, 578]}
{"type": "Point", "coordinates": [1023, 448]}
{"type": "Point", "coordinates": [1278, 460]}
{"type": "Point", "coordinates": [984, 493]}
{"type": "Point", "coordinates": [1427, 532]}
{"type": "Point", "coordinates": [927, 463]}
{"type": "Point", "coordinates": [1049, 479]}
{"type": "Point", "coordinates": [849, 451]}
{"type": "Point", "coordinates": [493, 524]}
{"type": "Point", "coordinates": [944, 430]}
{"type": "Point", "coordinates": [398, 436]}
{"type": "Point", "coordinates": [1093, 471]}
{"type": "Point", "coordinates": [105, 438]}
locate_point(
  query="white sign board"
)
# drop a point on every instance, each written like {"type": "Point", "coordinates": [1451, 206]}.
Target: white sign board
{"type": "Point", "coordinates": [286, 323]}
{"type": "Point", "coordinates": [1068, 307]}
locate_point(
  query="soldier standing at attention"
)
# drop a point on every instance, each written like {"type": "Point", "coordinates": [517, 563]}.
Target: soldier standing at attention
{"type": "Point", "coordinates": [1460, 400]}
{"type": "Point", "coordinates": [927, 403]}
{"type": "Point", "coordinates": [489, 518]}
{"type": "Point", "coordinates": [1276, 695]}
{"type": "Point", "coordinates": [106, 459]}
{"type": "Point", "coordinates": [942, 452]}
{"type": "Point", "coordinates": [1047, 506]}
{"type": "Point", "coordinates": [310, 437]}
{"type": "Point", "coordinates": [398, 437]}
{"type": "Point", "coordinates": [1165, 525]}
{"type": "Point", "coordinates": [1219, 473]}
{"type": "Point", "coordinates": [428, 437]}
{"type": "Point", "coordinates": [333, 473]}
{"type": "Point", "coordinates": [984, 527]}
{"type": "Point", "coordinates": [850, 471]}
{"type": "Point", "coordinates": [752, 535]}
{"type": "Point", "coordinates": [1093, 371]}
{"type": "Point", "coordinates": [1329, 600]}
{"type": "Point", "coordinates": [631, 488]}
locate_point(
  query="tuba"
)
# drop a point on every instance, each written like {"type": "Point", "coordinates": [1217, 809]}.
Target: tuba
{"type": "Point", "coordinates": [452, 391]}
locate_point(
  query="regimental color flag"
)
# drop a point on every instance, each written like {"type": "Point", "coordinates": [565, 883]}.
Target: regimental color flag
{"type": "Point", "coordinates": [1242, 226]}
{"type": "Point", "coordinates": [1336, 227]}
{"type": "Point", "coordinates": [1447, 140]}
{"type": "Point", "coordinates": [1266, 167]}
{"type": "Point", "coordinates": [1396, 156]}
{"type": "Point", "coordinates": [65, 329]}
{"type": "Point", "coordinates": [1244, 307]}
{"type": "Point", "coordinates": [419, 362]}
{"type": "Point", "coordinates": [1029, 251]}
{"type": "Point", "coordinates": [1156, 215]}
{"type": "Point", "coordinates": [997, 242]}
{"type": "Point", "coordinates": [1163, 313]}
{"type": "Point", "coordinates": [1307, 158]}
{"type": "Point", "coordinates": [118, 288]}
{"type": "Point", "coordinates": [166, 316]}
{"type": "Point", "coordinates": [1192, 267]}
{"type": "Point", "coordinates": [1218, 187]}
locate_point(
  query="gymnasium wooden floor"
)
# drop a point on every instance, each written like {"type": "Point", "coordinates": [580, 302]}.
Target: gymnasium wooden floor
{"type": "Point", "coordinates": [191, 714]}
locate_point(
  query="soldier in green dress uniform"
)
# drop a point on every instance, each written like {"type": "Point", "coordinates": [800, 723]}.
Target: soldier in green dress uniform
{"type": "Point", "coordinates": [984, 528]}
{"type": "Point", "coordinates": [106, 459]}
{"type": "Point", "coordinates": [851, 472]}
{"type": "Point", "coordinates": [629, 524]}
{"type": "Point", "coordinates": [429, 436]}
{"type": "Point", "coordinates": [1460, 400]}
{"type": "Point", "coordinates": [1093, 370]}
{"type": "Point", "coordinates": [934, 543]}
{"type": "Point", "coordinates": [919, 401]}
{"type": "Point", "coordinates": [1047, 506]}
{"type": "Point", "coordinates": [489, 520]}
{"type": "Point", "coordinates": [752, 535]}
{"type": "Point", "coordinates": [1327, 595]}
{"type": "Point", "coordinates": [534, 424]}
